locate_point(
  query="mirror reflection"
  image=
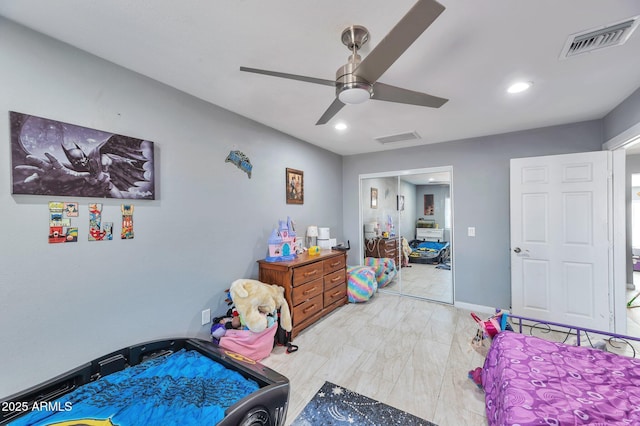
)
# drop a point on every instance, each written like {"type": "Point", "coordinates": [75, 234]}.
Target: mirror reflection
{"type": "Point", "coordinates": [407, 217]}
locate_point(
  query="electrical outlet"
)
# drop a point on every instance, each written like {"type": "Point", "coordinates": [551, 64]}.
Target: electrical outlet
{"type": "Point", "coordinates": [471, 231]}
{"type": "Point", "coordinates": [206, 316]}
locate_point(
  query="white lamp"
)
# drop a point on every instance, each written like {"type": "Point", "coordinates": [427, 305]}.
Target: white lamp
{"type": "Point", "coordinates": [312, 232]}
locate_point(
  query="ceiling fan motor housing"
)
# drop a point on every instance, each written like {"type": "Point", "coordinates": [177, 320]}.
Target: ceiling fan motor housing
{"type": "Point", "coordinates": [350, 88]}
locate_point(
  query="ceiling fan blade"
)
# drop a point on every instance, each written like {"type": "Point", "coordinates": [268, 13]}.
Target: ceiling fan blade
{"type": "Point", "coordinates": [414, 23]}
{"type": "Point", "coordinates": [385, 92]}
{"type": "Point", "coordinates": [331, 83]}
{"type": "Point", "coordinates": [331, 111]}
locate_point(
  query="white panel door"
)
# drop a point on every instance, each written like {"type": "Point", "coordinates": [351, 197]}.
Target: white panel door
{"type": "Point", "coordinates": [560, 257]}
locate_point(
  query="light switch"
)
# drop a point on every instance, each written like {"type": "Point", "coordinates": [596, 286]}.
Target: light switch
{"type": "Point", "coordinates": [471, 231]}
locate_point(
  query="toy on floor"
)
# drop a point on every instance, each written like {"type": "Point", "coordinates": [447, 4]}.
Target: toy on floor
{"type": "Point", "coordinates": [476, 376]}
{"type": "Point", "coordinates": [406, 251]}
{"type": "Point", "coordinates": [256, 301]}
{"type": "Point", "coordinates": [250, 326]}
{"type": "Point", "coordinates": [361, 283]}
{"type": "Point", "coordinates": [220, 325]}
{"type": "Point", "coordinates": [384, 268]}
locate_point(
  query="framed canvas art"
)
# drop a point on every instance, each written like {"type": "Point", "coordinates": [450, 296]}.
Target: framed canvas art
{"type": "Point", "coordinates": [294, 186]}
{"type": "Point", "coordinates": [374, 198]}
{"type": "Point", "coordinates": [49, 157]}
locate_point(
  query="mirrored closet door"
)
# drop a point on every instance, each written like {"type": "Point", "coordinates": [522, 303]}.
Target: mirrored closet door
{"type": "Point", "coordinates": [407, 216]}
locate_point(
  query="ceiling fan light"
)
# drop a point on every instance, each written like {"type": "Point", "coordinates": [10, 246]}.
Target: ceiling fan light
{"type": "Point", "coordinates": [520, 86]}
{"type": "Point", "coordinates": [354, 95]}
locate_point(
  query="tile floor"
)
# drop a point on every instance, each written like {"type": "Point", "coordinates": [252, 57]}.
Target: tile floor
{"type": "Point", "coordinates": [409, 353]}
{"type": "Point", "coordinates": [425, 281]}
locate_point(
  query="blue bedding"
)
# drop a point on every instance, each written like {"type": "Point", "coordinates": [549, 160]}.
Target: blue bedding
{"type": "Point", "coordinates": [428, 251]}
{"type": "Point", "coordinates": [431, 246]}
{"type": "Point", "coordinates": [184, 388]}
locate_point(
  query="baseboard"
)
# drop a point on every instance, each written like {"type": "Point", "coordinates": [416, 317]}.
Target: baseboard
{"type": "Point", "coordinates": [475, 308]}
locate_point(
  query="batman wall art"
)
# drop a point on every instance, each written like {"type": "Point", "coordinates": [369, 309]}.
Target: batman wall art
{"type": "Point", "coordinates": [54, 158]}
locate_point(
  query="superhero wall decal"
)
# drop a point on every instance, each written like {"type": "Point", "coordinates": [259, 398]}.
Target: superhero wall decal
{"type": "Point", "coordinates": [54, 158]}
{"type": "Point", "coordinates": [62, 229]}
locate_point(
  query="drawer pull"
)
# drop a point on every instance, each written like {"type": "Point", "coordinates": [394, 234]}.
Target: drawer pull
{"type": "Point", "coordinates": [335, 264]}
{"type": "Point", "coordinates": [337, 293]}
{"type": "Point", "coordinates": [315, 271]}
{"type": "Point", "coordinates": [311, 290]}
{"type": "Point", "coordinates": [333, 280]}
{"type": "Point", "coordinates": [305, 310]}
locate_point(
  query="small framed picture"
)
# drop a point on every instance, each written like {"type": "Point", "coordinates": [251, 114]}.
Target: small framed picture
{"type": "Point", "coordinates": [400, 202]}
{"type": "Point", "coordinates": [374, 198]}
{"type": "Point", "coordinates": [294, 186]}
{"type": "Point", "coordinates": [429, 206]}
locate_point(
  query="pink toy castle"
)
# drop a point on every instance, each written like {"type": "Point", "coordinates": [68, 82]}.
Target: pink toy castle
{"type": "Point", "coordinates": [282, 243]}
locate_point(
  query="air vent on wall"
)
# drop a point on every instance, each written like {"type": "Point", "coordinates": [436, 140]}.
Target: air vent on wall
{"type": "Point", "coordinates": [400, 137]}
{"type": "Point", "coordinates": [611, 35]}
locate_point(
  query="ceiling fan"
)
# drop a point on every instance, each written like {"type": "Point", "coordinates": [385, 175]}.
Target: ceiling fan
{"type": "Point", "coordinates": [357, 80]}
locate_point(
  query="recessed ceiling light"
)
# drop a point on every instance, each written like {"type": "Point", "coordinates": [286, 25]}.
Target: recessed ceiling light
{"type": "Point", "coordinates": [340, 126]}
{"type": "Point", "coordinates": [520, 86]}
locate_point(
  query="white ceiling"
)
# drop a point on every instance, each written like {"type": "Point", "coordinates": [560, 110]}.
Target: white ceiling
{"type": "Point", "coordinates": [472, 52]}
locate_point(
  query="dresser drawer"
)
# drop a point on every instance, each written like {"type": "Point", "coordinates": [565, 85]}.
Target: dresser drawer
{"type": "Point", "coordinates": [307, 309]}
{"type": "Point", "coordinates": [389, 252]}
{"type": "Point", "coordinates": [307, 273]}
{"type": "Point", "coordinates": [333, 279]}
{"type": "Point", "coordinates": [307, 291]}
{"type": "Point", "coordinates": [334, 264]}
{"type": "Point", "coordinates": [390, 244]}
{"type": "Point", "coordinates": [334, 294]}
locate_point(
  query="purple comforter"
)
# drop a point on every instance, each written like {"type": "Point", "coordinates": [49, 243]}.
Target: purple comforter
{"type": "Point", "coordinates": [531, 381]}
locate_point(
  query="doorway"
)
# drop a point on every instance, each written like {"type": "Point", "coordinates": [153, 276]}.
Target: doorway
{"type": "Point", "coordinates": [633, 286]}
{"type": "Point", "coordinates": [408, 215]}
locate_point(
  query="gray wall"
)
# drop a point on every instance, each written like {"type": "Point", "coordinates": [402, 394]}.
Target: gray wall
{"type": "Point", "coordinates": [440, 195]}
{"type": "Point", "coordinates": [624, 116]}
{"type": "Point", "coordinates": [480, 196]}
{"type": "Point", "coordinates": [64, 304]}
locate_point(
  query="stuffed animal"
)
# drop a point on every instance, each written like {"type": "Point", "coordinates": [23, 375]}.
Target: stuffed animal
{"type": "Point", "coordinates": [384, 268]}
{"type": "Point", "coordinates": [255, 300]}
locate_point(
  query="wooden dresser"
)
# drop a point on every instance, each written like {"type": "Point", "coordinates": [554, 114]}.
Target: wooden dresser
{"type": "Point", "coordinates": [313, 285]}
{"type": "Point", "coordinates": [383, 247]}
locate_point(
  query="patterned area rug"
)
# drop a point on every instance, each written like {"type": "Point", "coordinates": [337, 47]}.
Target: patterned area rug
{"type": "Point", "coordinates": [335, 405]}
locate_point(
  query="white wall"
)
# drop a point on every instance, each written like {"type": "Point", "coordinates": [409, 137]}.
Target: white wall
{"type": "Point", "coordinates": [65, 304]}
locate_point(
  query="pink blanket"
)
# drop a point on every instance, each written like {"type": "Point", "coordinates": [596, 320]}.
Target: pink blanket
{"type": "Point", "coordinates": [256, 346]}
{"type": "Point", "coordinates": [531, 381]}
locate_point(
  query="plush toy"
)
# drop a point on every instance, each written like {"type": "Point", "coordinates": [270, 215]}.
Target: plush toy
{"type": "Point", "coordinates": [255, 300]}
{"type": "Point", "coordinates": [384, 268]}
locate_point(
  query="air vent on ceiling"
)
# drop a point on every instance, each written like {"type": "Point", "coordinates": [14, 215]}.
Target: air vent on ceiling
{"type": "Point", "coordinates": [400, 137]}
{"type": "Point", "coordinates": [611, 35]}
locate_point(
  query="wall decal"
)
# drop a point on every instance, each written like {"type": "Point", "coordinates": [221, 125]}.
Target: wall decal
{"type": "Point", "coordinates": [60, 230]}
{"type": "Point", "coordinates": [71, 209]}
{"type": "Point", "coordinates": [50, 157]}
{"type": "Point", "coordinates": [97, 232]}
{"type": "Point", "coordinates": [127, 221]}
{"type": "Point", "coordinates": [241, 161]}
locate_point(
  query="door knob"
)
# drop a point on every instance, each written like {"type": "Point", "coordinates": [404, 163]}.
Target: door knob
{"type": "Point", "coordinates": [517, 250]}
